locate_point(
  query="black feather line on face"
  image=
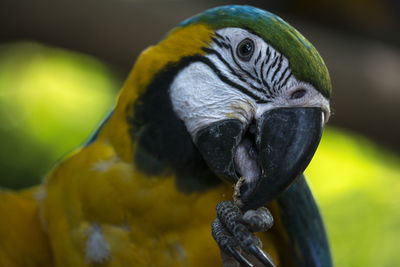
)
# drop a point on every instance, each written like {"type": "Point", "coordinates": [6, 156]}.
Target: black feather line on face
{"type": "Point", "coordinates": [258, 58]}
{"type": "Point", "coordinates": [233, 72]}
{"type": "Point", "coordinates": [221, 41]}
{"type": "Point", "coordinates": [255, 71]}
{"type": "Point", "coordinates": [287, 78]}
{"type": "Point", "coordinates": [214, 52]}
{"type": "Point", "coordinates": [283, 75]}
{"type": "Point", "coordinates": [219, 36]}
{"type": "Point", "coordinates": [268, 53]}
{"type": "Point", "coordinates": [231, 83]}
{"type": "Point", "coordinates": [264, 82]}
{"type": "Point", "coordinates": [215, 41]}
{"type": "Point", "coordinates": [275, 72]}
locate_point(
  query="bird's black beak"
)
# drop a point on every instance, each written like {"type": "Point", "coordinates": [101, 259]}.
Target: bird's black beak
{"type": "Point", "coordinates": [270, 154]}
{"type": "Point", "coordinates": [286, 141]}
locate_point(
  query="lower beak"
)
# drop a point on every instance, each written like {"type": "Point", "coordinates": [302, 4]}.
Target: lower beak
{"type": "Point", "coordinates": [286, 140]}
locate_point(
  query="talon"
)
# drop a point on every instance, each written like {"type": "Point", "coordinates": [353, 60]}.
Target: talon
{"type": "Point", "coordinates": [262, 256]}
{"type": "Point", "coordinates": [239, 257]}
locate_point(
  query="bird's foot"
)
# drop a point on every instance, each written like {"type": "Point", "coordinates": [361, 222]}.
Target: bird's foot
{"type": "Point", "coordinates": [234, 233]}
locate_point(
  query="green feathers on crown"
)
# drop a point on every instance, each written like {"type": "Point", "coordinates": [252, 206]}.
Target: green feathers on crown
{"type": "Point", "coordinates": [305, 62]}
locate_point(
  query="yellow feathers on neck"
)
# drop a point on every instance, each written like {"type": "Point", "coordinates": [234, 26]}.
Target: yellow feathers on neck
{"type": "Point", "coordinates": [179, 43]}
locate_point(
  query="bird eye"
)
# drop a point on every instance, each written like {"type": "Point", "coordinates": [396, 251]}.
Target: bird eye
{"type": "Point", "coordinates": [245, 49]}
{"type": "Point", "coordinates": [298, 94]}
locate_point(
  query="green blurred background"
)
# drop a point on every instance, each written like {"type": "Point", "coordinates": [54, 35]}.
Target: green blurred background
{"type": "Point", "coordinates": [62, 64]}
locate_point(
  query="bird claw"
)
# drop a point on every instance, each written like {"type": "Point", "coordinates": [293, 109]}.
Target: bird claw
{"type": "Point", "coordinates": [262, 256]}
{"type": "Point", "coordinates": [239, 257]}
{"type": "Point", "coordinates": [233, 232]}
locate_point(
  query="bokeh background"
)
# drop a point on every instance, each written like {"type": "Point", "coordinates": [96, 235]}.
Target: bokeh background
{"type": "Point", "coordinates": [63, 62]}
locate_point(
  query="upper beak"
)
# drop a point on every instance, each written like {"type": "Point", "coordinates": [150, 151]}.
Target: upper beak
{"type": "Point", "coordinates": [285, 141]}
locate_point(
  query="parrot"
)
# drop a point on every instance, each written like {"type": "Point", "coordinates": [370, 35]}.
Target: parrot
{"type": "Point", "coordinates": [200, 162]}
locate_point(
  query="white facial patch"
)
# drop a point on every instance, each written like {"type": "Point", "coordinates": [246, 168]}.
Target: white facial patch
{"type": "Point", "coordinates": [199, 98]}
{"type": "Point", "coordinates": [97, 248]}
{"type": "Point", "coordinates": [224, 85]}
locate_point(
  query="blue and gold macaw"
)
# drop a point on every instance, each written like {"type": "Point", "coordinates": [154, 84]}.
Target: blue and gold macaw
{"type": "Point", "coordinates": [232, 102]}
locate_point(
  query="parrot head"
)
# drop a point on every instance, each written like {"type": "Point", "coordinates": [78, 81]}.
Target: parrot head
{"type": "Point", "coordinates": [232, 92]}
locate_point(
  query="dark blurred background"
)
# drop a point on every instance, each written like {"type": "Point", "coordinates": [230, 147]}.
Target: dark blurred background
{"type": "Point", "coordinates": [63, 62]}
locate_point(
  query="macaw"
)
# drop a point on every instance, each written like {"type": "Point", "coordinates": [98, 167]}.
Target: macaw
{"type": "Point", "coordinates": [225, 111]}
